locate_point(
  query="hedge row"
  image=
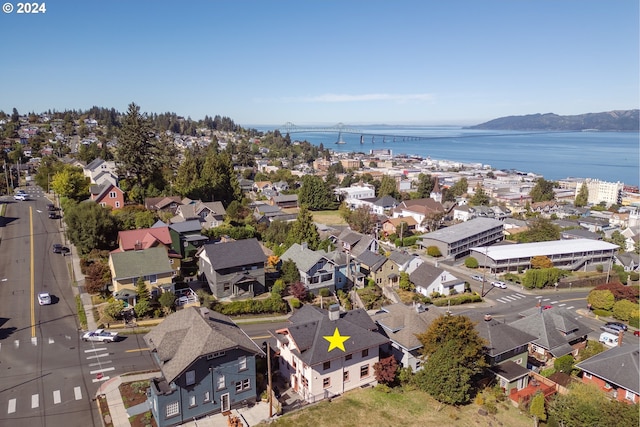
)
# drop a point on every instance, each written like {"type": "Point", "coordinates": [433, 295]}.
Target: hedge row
{"type": "Point", "coordinates": [458, 300]}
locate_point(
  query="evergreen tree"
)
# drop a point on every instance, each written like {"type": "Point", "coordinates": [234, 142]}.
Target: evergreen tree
{"type": "Point", "coordinates": [388, 187]}
{"type": "Point", "coordinates": [582, 198]}
{"type": "Point", "coordinates": [537, 409]}
{"type": "Point", "coordinates": [315, 194]}
{"type": "Point", "coordinates": [479, 198]}
{"type": "Point", "coordinates": [304, 230]}
{"type": "Point", "coordinates": [425, 186]}
{"type": "Point", "coordinates": [542, 191]}
{"type": "Point", "coordinates": [143, 299]}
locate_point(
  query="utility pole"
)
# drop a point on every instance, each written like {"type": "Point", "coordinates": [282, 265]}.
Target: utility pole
{"type": "Point", "coordinates": [6, 176]}
{"type": "Point", "coordinates": [484, 272]}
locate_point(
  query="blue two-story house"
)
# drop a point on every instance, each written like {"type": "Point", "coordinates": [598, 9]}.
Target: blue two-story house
{"type": "Point", "coordinates": [207, 366]}
{"type": "Point", "coordinates": [317, 270]}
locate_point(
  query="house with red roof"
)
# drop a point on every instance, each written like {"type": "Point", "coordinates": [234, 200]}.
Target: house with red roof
{"type": "Point", "coordinates": [145, 238]}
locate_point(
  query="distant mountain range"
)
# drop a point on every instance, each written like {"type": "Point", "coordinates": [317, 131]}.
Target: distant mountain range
{"type": "Point", "coordinates": [619, 120]}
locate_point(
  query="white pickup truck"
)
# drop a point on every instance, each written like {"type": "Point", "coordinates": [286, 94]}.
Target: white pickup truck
{"type": "Point", "coordinates": [100, 335]}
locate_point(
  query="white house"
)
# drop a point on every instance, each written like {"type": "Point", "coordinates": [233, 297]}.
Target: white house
{"type": "Point", "coordinates": [429, 280]}
{"type": "Point", "coordinates": [324, 354]}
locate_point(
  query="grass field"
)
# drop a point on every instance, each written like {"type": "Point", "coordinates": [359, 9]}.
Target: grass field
{"type": "Point", "coordinates": [328, 218]}
{"type": "Point", "coordinates": [375, 407]}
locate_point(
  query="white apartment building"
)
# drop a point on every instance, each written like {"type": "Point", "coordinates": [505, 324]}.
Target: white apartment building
{"type": "Point", "coordinates": [602, 191]}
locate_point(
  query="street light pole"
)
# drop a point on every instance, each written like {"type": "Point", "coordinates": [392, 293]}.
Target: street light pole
{"type": "Point", "coordinates": [484, 272]}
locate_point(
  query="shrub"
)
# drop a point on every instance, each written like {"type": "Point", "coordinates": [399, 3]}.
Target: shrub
{"type": "Point", "coordinates": [600, 312]}
{"type": "Point", "coordinates": [603, 300]}
{"type": "Point", "coordinates": [471, 262]}
{"type": "Point", "coordinates": [564, 364]}
{"type": "Point", "coordinates": [634, 276]}
{"type": "Point", "coordinates": [624, 310]}
{"type": "Point", "coordinates": [458, 300]}
{"type": "Point", "coordinates": [634, 322]}
{"type": "Point", "coordinates": [324, 292]}
{"type": "Point", "coordinates": [433, 251]}
{"type": "Point", "coordinates": [295, 303]}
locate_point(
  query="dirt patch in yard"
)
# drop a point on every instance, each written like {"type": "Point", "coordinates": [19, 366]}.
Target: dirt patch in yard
{"type": "Point", "coordinates": [134, 393]}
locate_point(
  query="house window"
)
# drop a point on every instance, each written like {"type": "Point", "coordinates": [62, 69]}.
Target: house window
{"type": "Point", "coordinates": [326, 365]}
{"type": "Point", "coordinates": [207, 397]}
{"type": "Point", "coordinates": [192, 401]}
{"type": "Point", "coordinates": [226, 287]}
{"type": "Point", "coordinates": [173, 409]}
{"type": "Point", "coordinates": [117, 204]}
{"type": "Point", "coordinates": [326, 382]}
{"type": "Point", "coordinates": [364, 371]}
{"type": "Point", "coordinates": [295, 364]}
{"type": "Point", "coordinates": [629, 395]}
{"type": "Point", "coordinates": [191, 377]}
{"type": "Point", "coordinates": [348, 357]}
{"type": "Point", "coordinates": [242, 363]}
{"type": "Point", "coordinates": [365, 352]}
{"type": "Point", "coordinates": [345, 376]}
{"type": "Point", "coordinates": [112, 195]}
{"type": "Point", "coordinates": [214, 355]}
{"type": "Point", "coordinates": [418, 363]}
{"type": "Point", "coordinates": [587, 375]}
{"type": "Point", "coordinates": [220, 382]}
{"type": "Point", "coordinates": [305, 382]}
{"type": "Point", "coordinates": [152, 278]}
{"type": "Point", "coordinates": [242, 385]}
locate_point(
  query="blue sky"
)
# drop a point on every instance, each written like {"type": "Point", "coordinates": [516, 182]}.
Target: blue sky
{"type": "Point", "coordinates": [323, 62]}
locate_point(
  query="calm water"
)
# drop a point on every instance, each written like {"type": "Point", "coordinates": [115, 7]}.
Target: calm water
{"type": "Point", "coordinates": [608, 156]}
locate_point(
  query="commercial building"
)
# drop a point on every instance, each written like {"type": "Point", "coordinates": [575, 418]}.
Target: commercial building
{"type": "Point", "coordinates": [457, 240]}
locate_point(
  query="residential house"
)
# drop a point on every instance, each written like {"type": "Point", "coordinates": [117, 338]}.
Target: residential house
{"type": "Point", "coordinates": [163, 204]}
{"type": "Point", "coordinates": [145, 238]}
{"type": "Point", "coordinates": [419, 209]}
{"type": "Point", "coordinates": [354, 243]}
{"type": "Point", "coordinates": [506, 351]}
{"type": "Point", "coordinates": [390, 226]}
{"type": "Point", "coordinates": [107, 195]}
{"type": "Point", "coordinates": [401, 323]}
{"type": "Point", "coordinates": [187, 235]}
{"type": "Point", "coordinates": [615, 371]}
{"type": "Point", "coordinates": [405, 261]}
{"type": "Point", "coordinates": [325, 354]}
{"type": "Point", "coordinates": [210, 214]}
{"type": "Point", "coordinates": [284, 200]}
{"type": "Point", "coordinates": [429, 280]}
{"type": "Point", "coordinates": [152, 265]}
{"type": "Point", "coordinates": [233, 269]}
{"type": "Point", "coordinates": [557, 330]}
{"type": "Point", "coordinates": [630, 261]}
{"type": "Point", "coordinates": [207, 365]}
{"type": "Point", "coordinates": [101, 167]}
{"type": "Point", "coordinates": [260, 186]}
{"type": "Point", "coordinates": [375, 267]}
{"type": "Point", "coordinates": [317, 270]}
{"type": "Point", "coordinates": [463, 213]}
{"type": "Point", "coordinates": [264, 213]}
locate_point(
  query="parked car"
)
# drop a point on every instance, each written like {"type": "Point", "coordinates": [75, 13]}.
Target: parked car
{"type": "Point", "coordinates": [616, 326]}
{"type": "Point", "coordinates": [21, 196]}
{"type": "Point", "coordinates": [477, 277]}
{"type": "Point", "coordinates": [636, 333]}
{"type": "Point", "coordinates": [100, 335]}
{"type": "Point", "coordinates": [59, 249]}
{"type": "Point", "coordinates": [51, 207]}
{"type": "Point", "coordinates": [53, 215]}
{"type": "Point", "coordinates": [44, 298]}
{"type": "Point", "coordinates": [547, 307]}
{"type": "Point", "coordinates": [499, 284]}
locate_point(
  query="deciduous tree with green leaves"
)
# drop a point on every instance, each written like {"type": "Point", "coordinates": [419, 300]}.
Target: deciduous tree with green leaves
{"type": "Point", "coordinates": [582, 198]}
{"type": "Point", "coordinates": [543, 191]}
{"type": "Point", "coordinates": [304, 230]}
{"type": "Point", "coordinates": [90, 226]}
{"type": "Point", "coordinates": [70, 182]}
{"type": "Point", "coordinates": [537, 409]}
{"type": "Point", "coordinates": [454, 355]}
{"type": "Point", "coordinates": [601, 300]}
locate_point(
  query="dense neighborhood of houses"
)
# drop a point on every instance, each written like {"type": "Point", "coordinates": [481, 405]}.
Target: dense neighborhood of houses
{"type": "Point", "coordinates": [208, 364]}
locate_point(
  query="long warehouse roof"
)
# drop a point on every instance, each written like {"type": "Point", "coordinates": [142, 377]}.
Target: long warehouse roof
{"type": "Point", "coordinates": [554, 247]}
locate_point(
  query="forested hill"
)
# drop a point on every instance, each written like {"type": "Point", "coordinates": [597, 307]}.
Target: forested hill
{"type": "Point", "coordinates": [619, 120]}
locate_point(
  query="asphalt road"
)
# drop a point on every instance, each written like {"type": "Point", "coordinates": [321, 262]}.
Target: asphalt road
{"type": "Point", "coordinates": [41, 379]}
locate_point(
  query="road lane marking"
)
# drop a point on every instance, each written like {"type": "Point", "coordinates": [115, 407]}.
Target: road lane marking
{"type": "Point", "coordinates": [97, 356]}
{"type": "Point", "coordinates": [16, 343]}
{"type": "Point", "coordinates": [100, 363]}
{"type": "Point", "coordinates": [97, 380]}
{"type": "Point", "coordinates": [137, 349]}
{"type": "Point", "coordinates": [546, 299]}
{"type": "Point", "coordinates": [35, 401]}
{"type": "Point", "coordinates": [561, 305]}
{"type": "Point", "coordinates": [51, 341]}
{"type": "Point", "coordinates": [12, 406]}
{"type": "Point", "coordinates": [34, 340]}
{"type": "Point", "coordinates": [538, 297]}
{"type": "Point", "coordinates": [99, 371]}
{"type": "Point", "coordinates": [33, 274]}
{"type": "Point", "coordinates": [77, 392]}
{"type": "Point", "coordinates": [95, 349]}
{"type": "Point", "coordinates": [554, 302]}
{"type": "Point", "coordinates": [569, 308]}
{"type": "Point", "coordinates": [56, 397]}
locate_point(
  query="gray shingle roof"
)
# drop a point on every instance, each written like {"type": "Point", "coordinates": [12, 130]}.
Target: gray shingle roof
{"type": "Point", "coordinates": [401, 323]}
{"type": "Point", "coordinates": [425, 275]}
{"type": "Point", "coordinates": [235, 253]}
{"type": "Point", "coordinates": [310, 325]}
{"type": "Point", "coordinates": [371, 259]}
{"type": "Point", "coordinates": [618, 366]}
{"type": "Point", "coordinates": [304, 258]}
{"type": "Point", "coordinates": [186, 335]}
{"type": "Point", "coordinates": [140, 263]}
{"type": "Point", "coordinates": [191, 225]}
{"type": "Point", "coordinates": [554, 329]}
{"type": "Point", "coordinates": [500, 337]}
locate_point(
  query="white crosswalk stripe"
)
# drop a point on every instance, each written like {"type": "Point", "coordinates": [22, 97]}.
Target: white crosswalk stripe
{"type": "Point", "coordinates": [570, 308]}
{"type": "Point", "coordinates": [12, 406]}
{"type": "Point", "coordinates": [35, 401]}
{"type": "Point", "coordinates": [77, 392]}
{"type": "Point", "coordinates": [56, 397]}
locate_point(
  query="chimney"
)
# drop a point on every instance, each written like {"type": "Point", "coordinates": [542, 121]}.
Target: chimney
{"type": "Point", "coordinates": [334, 312]}
{"type": "Point", "coordinates": [204, 312]}
{"type": "Point", "coordinates": [304, 246]}
{"type": "Point", "coordinates": [138, 245]}
{"type": "Point", "coordinates": [487, 317]}
{"type": "Point", "coordinates": [620, 334]}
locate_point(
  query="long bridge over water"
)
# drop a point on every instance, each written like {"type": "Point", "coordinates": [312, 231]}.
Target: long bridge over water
{"type": "Point", "coordinates": [368, 136]}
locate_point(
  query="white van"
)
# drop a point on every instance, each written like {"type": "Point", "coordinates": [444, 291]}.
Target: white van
{"type": "Point", "coordinates": [609, 339]}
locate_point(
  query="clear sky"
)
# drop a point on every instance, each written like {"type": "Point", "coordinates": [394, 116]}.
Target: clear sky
{"type": "Point", "coordinates": [323, 62]}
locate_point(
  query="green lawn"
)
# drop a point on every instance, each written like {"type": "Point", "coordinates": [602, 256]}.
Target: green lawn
{"type": "Point", "coordinates": [328, 217]}
{"type": "Point", "coordinates": [373, 406]}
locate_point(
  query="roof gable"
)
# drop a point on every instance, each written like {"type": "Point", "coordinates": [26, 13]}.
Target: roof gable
{"type": "Point", "coordinates": [619, 366]}
{"type": "Point", "coordinates": [235, 253]}
{"type": "Point", "coordinates": [146, 262]}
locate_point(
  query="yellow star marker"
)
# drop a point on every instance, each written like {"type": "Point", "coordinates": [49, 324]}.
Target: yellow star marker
{"type": "Point", "coordinates": [336, 340]}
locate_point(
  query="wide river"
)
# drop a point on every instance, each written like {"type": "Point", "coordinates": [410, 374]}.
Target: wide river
{"type": "Point", "coordinates": [608, 156]}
